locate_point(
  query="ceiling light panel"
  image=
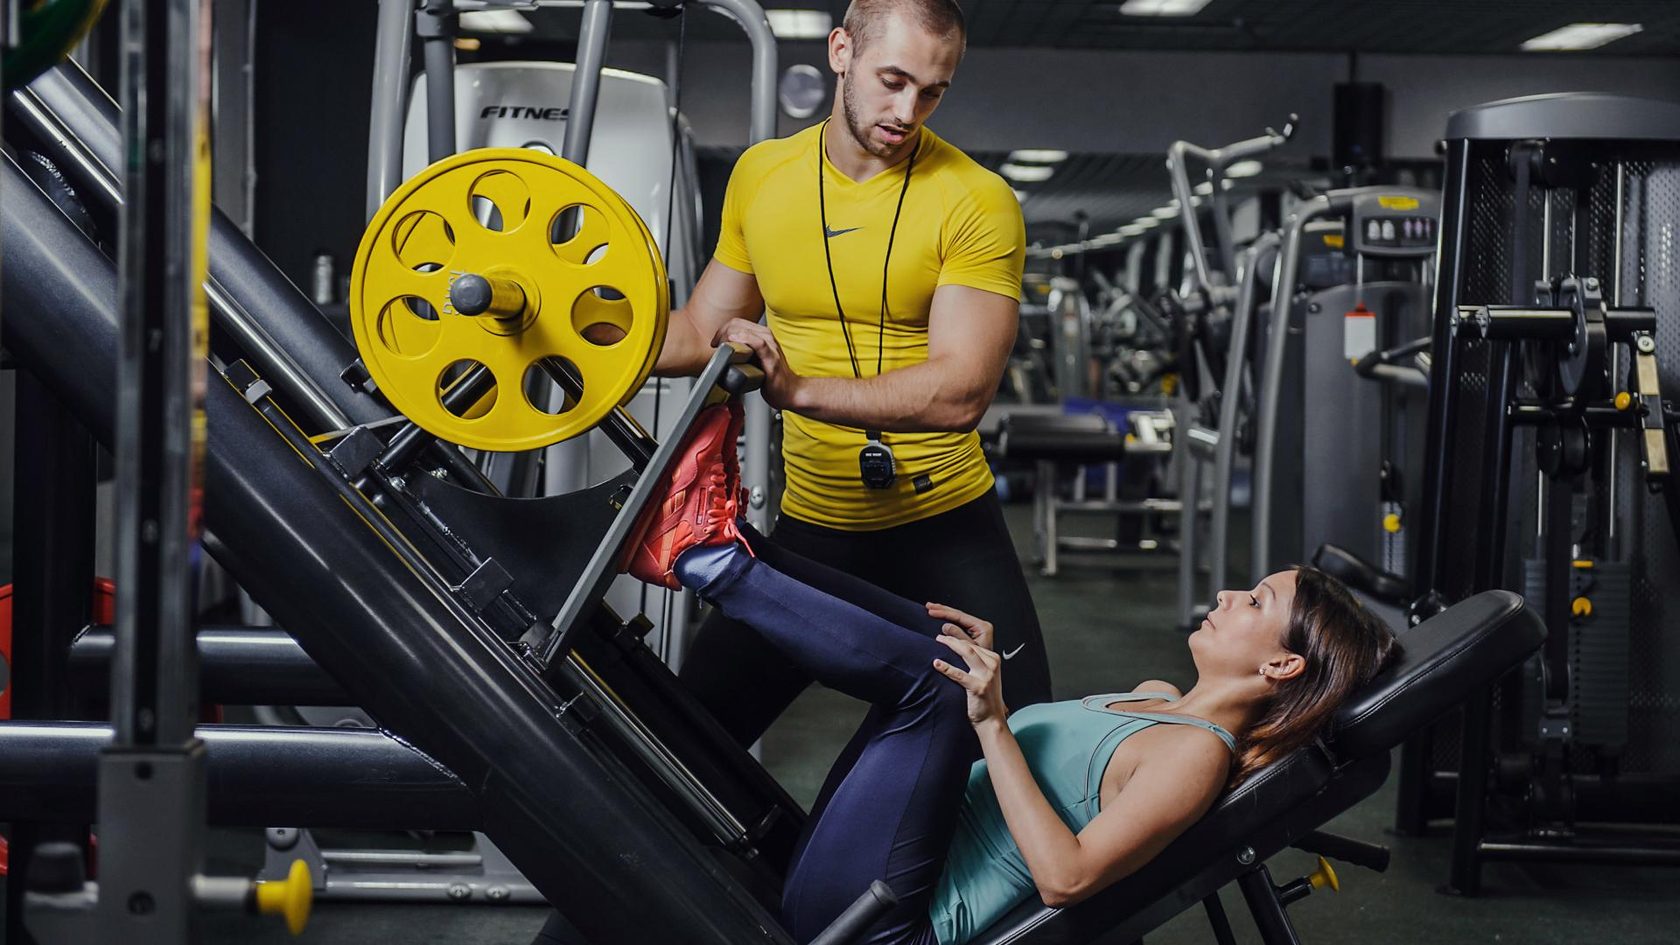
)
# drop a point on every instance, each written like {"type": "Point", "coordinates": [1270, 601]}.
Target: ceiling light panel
{"type": "Point", "coordinates": [1026, 173]}
{"type": "Point", "coordinates": [1578, 36]}
{"type": "Point", "coordinates": [1162, 7]}
{"type": "Point", "coordinates": [1038, 156]}
{"type": "Point", "coordinates": [800, 24]}
{"type": "Point", "coordinates": [494, 21]}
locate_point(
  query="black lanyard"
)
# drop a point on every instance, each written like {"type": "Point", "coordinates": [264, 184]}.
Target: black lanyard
{"type": "Point", "coordinates": [822, 204]}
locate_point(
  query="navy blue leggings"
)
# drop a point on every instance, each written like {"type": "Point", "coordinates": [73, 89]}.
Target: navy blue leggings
{"type": "Point", "coordinates": [889, 807]}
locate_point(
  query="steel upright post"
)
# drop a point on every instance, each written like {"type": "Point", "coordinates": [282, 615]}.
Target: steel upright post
{"type": "Point", "coordinates": [1416, 767]}
{"type": "Point", "coordinates": [151, 779]}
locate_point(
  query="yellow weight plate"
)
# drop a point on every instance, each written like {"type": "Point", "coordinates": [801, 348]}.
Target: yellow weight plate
{"type": "Point", "coordinates": [580, 257]}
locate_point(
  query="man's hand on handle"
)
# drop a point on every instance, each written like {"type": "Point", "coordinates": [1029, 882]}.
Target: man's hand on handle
{"type": "Point", "coordinates": [781, 384]}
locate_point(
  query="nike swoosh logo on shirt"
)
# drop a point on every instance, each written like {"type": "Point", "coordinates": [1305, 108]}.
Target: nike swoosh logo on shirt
{"type": "Point", "coordinates": [1011, 653]}
{"type": "Point", "coordinates": [833, 233]}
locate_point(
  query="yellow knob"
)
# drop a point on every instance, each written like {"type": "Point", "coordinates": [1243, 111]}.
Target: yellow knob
{"type": "Point", "coordinates": [1624, 400]}
{"type": "Point", "coordinates": [1131, 438]}
{"type": "Point", "coordinates": [1324, 876]}
{"type": "Point", "coordinates": [1581, 607]}
{"type": "Point", "coordinates": [290, 897]}
{"type": "Point", "coordinates": [1391, 523]}
{"type": "Point", "coordinates": [1169, 384]}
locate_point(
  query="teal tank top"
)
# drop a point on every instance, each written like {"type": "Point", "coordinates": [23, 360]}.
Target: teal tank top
{"type": "Point", "coordinates": [1067, 746]}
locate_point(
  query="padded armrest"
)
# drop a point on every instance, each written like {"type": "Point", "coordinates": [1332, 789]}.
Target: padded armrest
{"type": "Point", "coordinates": [1444, 659]}
{"type": "Point", "coordinates": [1361, 575]}
{"type": "Point", "coordinates": [1080, 437]}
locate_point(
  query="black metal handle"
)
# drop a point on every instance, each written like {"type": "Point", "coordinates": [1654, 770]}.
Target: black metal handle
{"type": "Point", "coordinates": [744, 373]}
{"type": "Point", "coordinates": [1515, 323]}
{"type": "Point", "coordinates": [869, 909]}
{"type": "Point", "coordinates": [1367, 365]}
{"type": "Point", "coordinates": [1346, 849]}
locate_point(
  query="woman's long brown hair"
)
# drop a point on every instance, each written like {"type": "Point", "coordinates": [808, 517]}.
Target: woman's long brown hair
{"type": "Point", "coordinates": [1343, 645]}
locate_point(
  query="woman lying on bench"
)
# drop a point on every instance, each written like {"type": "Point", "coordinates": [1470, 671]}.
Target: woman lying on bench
{"type": "Point", "coordinates": [1065, 798]}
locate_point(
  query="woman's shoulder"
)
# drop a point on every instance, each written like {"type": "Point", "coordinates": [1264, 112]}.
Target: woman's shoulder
{"type": "Point", "coordinates": [1191, 752]}
{"type": "Point", "coordinates": [1158, 685]}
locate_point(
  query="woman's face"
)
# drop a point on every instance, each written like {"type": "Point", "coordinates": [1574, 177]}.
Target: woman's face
{"type": "Point", "coordinates": [1244, 632]}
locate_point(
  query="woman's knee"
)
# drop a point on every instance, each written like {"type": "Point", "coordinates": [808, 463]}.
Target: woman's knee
{"type": "Point", "coordinates": [939, 695]}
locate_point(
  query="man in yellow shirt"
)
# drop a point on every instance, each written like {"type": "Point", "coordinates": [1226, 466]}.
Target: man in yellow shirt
{"type": "Point", "coordinates": [889, 263]}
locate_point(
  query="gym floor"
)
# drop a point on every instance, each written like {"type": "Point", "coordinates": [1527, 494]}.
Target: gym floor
{"type": "Point", "coordinates": [1108, 628]}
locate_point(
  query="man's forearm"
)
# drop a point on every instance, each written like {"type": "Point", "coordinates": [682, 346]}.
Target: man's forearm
{"type": "Point", "coordinates": [915, 399]}
{"type": "Point", "coordinates": [685, 352]}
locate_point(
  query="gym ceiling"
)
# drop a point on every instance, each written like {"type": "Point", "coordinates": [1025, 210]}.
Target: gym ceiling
{"type": "Point", "coordinates": [1113, 188]}
{"type": "Point", "coordinates": [1377, 26]}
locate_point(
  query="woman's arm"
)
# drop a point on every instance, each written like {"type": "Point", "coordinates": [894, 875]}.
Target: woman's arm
{"type": "Point", "coordinates": [1166, 793]}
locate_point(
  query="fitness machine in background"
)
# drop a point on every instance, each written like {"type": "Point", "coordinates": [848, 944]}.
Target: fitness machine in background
{"type": "Point", "coordinates": [1335, 455]}
{"type": "Point", "coordinates": [1204, 318]}
{"type": "Point", "coordinates": [1549, 469]}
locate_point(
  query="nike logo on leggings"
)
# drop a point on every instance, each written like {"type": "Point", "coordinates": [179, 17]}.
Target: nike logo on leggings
{"type": "Point", "coordinates": [1011, 653]}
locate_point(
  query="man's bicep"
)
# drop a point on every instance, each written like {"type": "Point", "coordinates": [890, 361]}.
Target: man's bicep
{"type": "Point", "coordinates": [722, 294]}
{"type": "Point", "coordinates": [973, 327]}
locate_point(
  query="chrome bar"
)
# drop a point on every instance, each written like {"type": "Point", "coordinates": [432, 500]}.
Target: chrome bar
{"type": "Point", "coordinates": [755, 469]}
{"type": "Point", "coordinates": [390, 100]}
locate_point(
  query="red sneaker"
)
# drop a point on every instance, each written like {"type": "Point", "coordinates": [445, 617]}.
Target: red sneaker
{"type": "Point", "coordinates": [732, 458]}
{"type": "Point", "coordinates": [693, 505]}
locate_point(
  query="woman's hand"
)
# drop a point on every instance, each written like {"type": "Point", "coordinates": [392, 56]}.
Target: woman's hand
{"type": "Point", "coordinates": [983, 680]}
{"type": "Point", "coordinates": [977, 630]}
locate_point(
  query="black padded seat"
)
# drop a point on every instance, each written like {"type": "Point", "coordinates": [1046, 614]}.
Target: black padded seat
{"type": "Point", "coordinates": [1445, 659]}
{"type": "Point", "coordinates": [1073, 438]}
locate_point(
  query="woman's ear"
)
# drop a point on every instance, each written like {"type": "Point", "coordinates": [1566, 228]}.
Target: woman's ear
{"type": "Point", "coordinates": [1283, 667]}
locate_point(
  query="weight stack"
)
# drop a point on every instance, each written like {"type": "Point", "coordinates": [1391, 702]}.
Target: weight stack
{"type": "Point", "coordinates": [1599, 651]}
{"type": "Point", "coordinates": [1599, 655]}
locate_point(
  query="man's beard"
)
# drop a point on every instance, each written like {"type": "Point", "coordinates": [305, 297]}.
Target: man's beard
{"type": "Point", "coordinates": [860, 131]}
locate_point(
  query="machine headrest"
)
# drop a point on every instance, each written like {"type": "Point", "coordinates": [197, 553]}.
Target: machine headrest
{"type": "Point", "coordinates": [1444, 659]}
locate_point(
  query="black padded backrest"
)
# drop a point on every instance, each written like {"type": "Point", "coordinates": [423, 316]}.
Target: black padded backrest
{"type": "Point", "coordinates": [1444, 659]}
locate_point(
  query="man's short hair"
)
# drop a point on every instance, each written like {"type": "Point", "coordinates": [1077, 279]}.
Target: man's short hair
{"type": "Point", "coordinates": [866, 18]}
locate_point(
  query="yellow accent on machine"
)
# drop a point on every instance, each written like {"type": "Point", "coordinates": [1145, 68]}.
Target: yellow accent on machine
{"type": "Point", "coordinates": [1324, 876]}
{"type": "Point", "coordinates": [290, 897]}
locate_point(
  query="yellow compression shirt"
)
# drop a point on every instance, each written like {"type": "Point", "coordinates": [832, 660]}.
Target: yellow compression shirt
{"type": "Point", "coordinates": [961, 225]}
